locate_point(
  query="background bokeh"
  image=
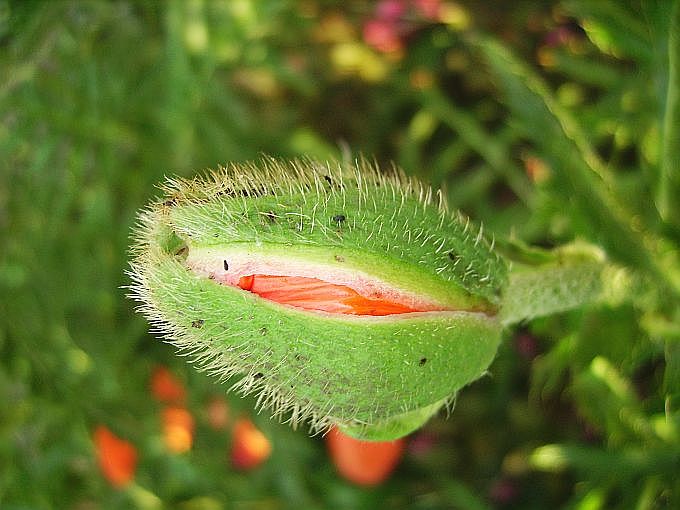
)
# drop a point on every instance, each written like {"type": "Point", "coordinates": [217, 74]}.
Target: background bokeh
{"type": "Point", "coordinates": [100, 100]}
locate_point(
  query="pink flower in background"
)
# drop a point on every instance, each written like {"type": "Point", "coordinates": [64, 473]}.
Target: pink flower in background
{"type": "Point", "coordinates": [526, 346]}
{"type": "Point", "coordinates": [383, 35]}
{"type": "Point", "coordinates": [561, 36]}
{"type": "Point", "coordinates": [391, 9]}
{"type": "Point", "coordinates": [428, 8]}
{"type": "Point", "coordinates": [393, 20]}
{"type": "Point", "coordinates": [422, 444]}
{"type": "Point", "coordinates": [503, 491]}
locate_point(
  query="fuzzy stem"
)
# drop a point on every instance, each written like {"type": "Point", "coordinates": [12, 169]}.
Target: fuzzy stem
{"type": "Point", "coordinates": [542, 283]}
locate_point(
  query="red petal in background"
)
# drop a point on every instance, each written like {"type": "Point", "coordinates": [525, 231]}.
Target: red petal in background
{"type": "Point", "coordinates": [249, 446]}
{"type": "Point", "coordinates": [178, 429]}
{"type": "Point", "coordinates": [363, 462]}
{"type": "Point", "coordinates": [117, 458]}
{"type": "Point", "coordinates": [166, 387]}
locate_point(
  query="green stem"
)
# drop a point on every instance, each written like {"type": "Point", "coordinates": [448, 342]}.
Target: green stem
{"type": "Point", "coordinates": [669, 182]}
{"type": "Point", "coordinates": [546, 282]}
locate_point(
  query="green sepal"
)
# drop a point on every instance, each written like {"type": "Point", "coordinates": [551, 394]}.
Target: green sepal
{"type": "Point", "coordinates": [395, 426]}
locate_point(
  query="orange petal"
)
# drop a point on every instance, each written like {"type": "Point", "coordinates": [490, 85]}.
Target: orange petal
{"type": "Point", "coordinates": [315, 294]}
{"type": "Point", "coordinates": [363, 462]}
{"type": "Point", "coordinates": [249, 447]}
{"type": "Point", "coordinates": [117, 458]}
{"type": "Point", "coordinates": [178, 429]}
{"type": "Point", "coordinates": [166, 387]}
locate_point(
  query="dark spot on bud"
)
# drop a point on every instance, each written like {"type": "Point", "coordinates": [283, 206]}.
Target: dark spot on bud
{"type": "Point", "coordinates": [339, 218]}
{"type": "Point", "coordinates": [170, 203]}
{"type": "Point", "coordinates": [263, 331]}
{"type": "Point", "coordinates": [226, 265]}
{"type": "Point", "coordinates": [339, 258]}
{"type": "Point", "coordinates": [197, 323]}
{"type": "Point", "coordinates": [422, 361]}
{"type": "Point", "coordinates": [453, 256]}
{"type": "Point", "coordinates": [328, 179]}
{"type": "Point", "coordinates": [182, 252]}
{"type": "Point", "coordinates": [259, 375]}
{"type": "Point", "coordinates": [270, 216]}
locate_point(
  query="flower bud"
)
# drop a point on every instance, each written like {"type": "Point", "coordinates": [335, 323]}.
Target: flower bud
{"type": "Point", "coordinates": [338, 294]}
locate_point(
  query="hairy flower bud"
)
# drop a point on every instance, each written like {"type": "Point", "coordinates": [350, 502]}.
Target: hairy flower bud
{"type": "Point", "coordinates": [338, 294]}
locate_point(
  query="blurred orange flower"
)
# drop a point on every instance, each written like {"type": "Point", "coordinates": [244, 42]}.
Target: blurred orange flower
{"type": "Point", "coordinates": [178, 429]}
{"type": "Point", "coordinates": [117, 458]}
{"type": "Point", "coordinates": [249, 447]}
{"type": "Point", "coordinates": [166, 387]}
{"type": "Point", "coordinates": [537, 169]}
{"type": "Point", "coordinates": [363, 462]}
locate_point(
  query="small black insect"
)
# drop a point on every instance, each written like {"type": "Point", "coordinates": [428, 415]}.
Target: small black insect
{"type": "Point", "coordinates": [453, 256]}
{"type": "Point", "coordinates": [422, 361]}
{"type": "Point", "coordinates": [328, 179]}
{"type": "Point", "coordinates": [259, 375]}
{"type": "Point", "coordinates": [339, 218]}
{"type": "Point", "coordinates": [197, 323]}
{"type": "Point", "coordinates": [226, 265]}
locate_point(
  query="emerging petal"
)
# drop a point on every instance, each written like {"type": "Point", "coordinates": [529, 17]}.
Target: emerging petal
{"type": "Point", "coordinates": [316, 294]}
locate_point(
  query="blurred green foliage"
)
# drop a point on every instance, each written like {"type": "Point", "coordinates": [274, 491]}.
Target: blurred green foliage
{"type": "Point", "coordinates": [548, 123]}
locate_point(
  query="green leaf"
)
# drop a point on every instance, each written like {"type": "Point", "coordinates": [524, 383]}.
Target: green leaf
{"type": "Point", "coordinates": [492, 149]}
{"type": "Point", "coordinates": [672, 375]}
{"type": "Point", "coordinates": [613, 28]}
{"type": "Point", "coordinates": [607, 399]}
{"type": "Point", "coordinates": [618, 466]}
{"type": "Point", "coordinates": [581, 179]}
